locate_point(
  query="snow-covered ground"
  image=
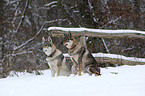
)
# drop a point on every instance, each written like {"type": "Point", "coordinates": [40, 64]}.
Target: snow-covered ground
{"type": "Point", "coordinates": [114, 81]}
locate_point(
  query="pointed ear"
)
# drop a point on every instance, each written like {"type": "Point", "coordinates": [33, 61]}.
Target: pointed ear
{"type": "Point", "coordinates": [70, 34]}
{"type": "Point", "coordinates": [64, 34]}
{"type": "Point", "coordinates": [43, 39]}
{"type": "Point", "coordinates": [49, 39]}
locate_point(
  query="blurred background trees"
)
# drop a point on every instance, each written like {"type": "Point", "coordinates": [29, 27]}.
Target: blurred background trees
{"type": "Point", "coordinates": [24, 22]}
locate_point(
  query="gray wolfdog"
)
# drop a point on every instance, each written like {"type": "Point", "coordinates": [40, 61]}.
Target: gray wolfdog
{"type": "Point", "coordinates": [57, 62]}
{"type": "Point", "coordinates": [81, 56]}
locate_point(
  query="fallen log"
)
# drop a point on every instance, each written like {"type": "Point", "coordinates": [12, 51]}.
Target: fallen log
{"type": "Point", "coordinates": [114, 59]}
{"type": "Point", "coordinates": [102, 33]}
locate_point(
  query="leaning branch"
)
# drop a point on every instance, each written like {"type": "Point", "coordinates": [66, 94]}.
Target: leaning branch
{"type": "Point", "coordinates": [105, 45]}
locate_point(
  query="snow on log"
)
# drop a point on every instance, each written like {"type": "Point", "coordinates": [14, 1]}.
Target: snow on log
{"type": "Point", "coordinates": [51, 3]}
{"type": "Point", "coordinates": [114, 58]}
{"type": "Point", "coordinates": [97, 32]}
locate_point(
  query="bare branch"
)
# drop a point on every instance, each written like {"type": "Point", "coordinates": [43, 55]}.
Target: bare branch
{"type": "Point", "coordinates": [111, 21]}
{"type": "Point", "coordinates": [22, 17]}
{"type": "Point", "coordinates": [16, 13]}
{"type": "Point", "coordinates": [56, 20]}
{"type": "Point", "coordinates": [70, 17]}
{"type": "Point", "coordinates": [15, 54]}
{"type": "Point", "coordinates": [105, 45]}
{"type": "Point", "coordinates": [93, 14]}
{"type": "Point", "coordinates": [31, 39]}
{"type": "Point", "coordinates": [47, 8]}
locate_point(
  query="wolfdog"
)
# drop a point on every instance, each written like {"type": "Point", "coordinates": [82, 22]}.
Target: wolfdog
{"type": "Point", "coordinates": [57, 62]}
{"type": "Point", "coordinates": [81, 56]}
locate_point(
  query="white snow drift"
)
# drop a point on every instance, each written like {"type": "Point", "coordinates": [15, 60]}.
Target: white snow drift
{"type": "Point", "coordinates": [114, 81]}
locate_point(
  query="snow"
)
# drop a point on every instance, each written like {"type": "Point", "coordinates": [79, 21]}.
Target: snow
{"type": "Point", "coordinates": [96, 30]}
{"type": "Point", "coordinates": [53, 2]}
{"type": "Point", "coordinates": [119, 57]}
{"type": "Point", "coordinates": [115, 56]}
{"type": "Point", "coordinates": [114, 81]}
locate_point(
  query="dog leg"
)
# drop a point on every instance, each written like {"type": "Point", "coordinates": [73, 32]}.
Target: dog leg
{"type": "Point", "coordinates": [80, 68]}
{"type": "Point", "coordinates": [58, 71]}
{"type": "Point", "coordinates": [58, 68]}
{"type": "Point", "coordinates": [73, 70]}
{"type": "Point", "coordinates": [80, 64]}
{"type": "Point", "coordinates": [80, 59]}
{"type": "Point", "coordinates": [52, 71]}
{"type": "Point", "coordinates": [74, 66]}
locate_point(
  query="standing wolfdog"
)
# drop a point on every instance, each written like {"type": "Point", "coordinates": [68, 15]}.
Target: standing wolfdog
{"type": "Point", "coordinates": [81, 56]}
{"type": "Point", "coordinates": [57, 62]}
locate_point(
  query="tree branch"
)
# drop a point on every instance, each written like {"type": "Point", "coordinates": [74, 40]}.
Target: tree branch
{"type": "Point", "coordinates": [70, 17]}
{"type": "Point", "coordinates": [111, 21]}
{"type": "Point", "coordinates": [22, 45]}
{"type": "Point", "coordinates": [105, 45]}
{"type": "Point", "coordinates": [22, 17]}
{"type": "Point", "coordinates": [91, 9]}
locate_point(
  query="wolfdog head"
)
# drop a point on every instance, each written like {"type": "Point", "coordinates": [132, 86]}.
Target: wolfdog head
{"type": "Point", "coordinates": [48, 45]}
{"type": "Point", "coordinates": [68, 40]}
